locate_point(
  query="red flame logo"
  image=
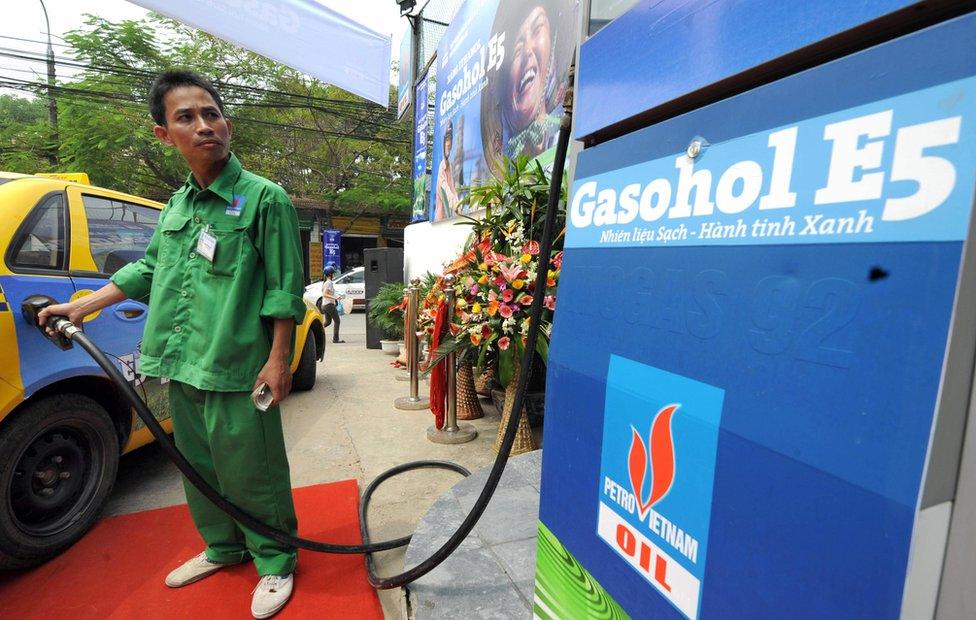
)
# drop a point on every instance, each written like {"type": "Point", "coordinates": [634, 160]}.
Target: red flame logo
{"type": "Point", "coordinates": [661, 459]}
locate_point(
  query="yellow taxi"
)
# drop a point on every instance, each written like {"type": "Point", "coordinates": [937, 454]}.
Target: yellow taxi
{"type": "Point", "coordinates": [63, 425]}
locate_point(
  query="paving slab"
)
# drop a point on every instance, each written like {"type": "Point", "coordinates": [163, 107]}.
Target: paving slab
{"type": "Point", "coordinates": [492, 574]}
{"type": "Point", "coordinates": [518, 560]}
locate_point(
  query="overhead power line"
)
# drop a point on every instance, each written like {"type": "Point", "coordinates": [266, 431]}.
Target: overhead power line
{"type": "Point", "coordinates": [233, 97]}
{"type": "Point", "coordinates": [120, 70]}
{"type": "Point", "coordinates": [238, 94]}
{"type": "Point", "coordinates": [97, 96]}
{"type": "Point", "coordinates": [3, 36]}
{"type": "Point", "coordinates": [365, 114]}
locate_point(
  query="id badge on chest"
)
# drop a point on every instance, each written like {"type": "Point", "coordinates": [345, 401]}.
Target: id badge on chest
{"type": "Point", "coordinates": [207, 244]}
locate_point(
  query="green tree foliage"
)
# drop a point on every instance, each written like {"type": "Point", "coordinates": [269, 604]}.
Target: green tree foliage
{"type": "Point", "coordinates": [24, 134]}
{"type": "Point", "coordinates": [314, 139]}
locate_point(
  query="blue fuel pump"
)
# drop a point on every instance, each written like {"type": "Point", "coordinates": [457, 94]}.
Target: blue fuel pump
{"type": "Point", "coordinates": [761, 361]}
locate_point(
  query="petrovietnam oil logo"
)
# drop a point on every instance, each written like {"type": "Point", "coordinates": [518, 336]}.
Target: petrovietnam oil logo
{"type": "Point", "coordinates": [660, 438]}
{"type": "Point", "coordinates": [662, 463]}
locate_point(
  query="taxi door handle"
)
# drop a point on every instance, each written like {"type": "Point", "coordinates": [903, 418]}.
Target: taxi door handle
{"type": "Point", "coordinates": [128, 311]}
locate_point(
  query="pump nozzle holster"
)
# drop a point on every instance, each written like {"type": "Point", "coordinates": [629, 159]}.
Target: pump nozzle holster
{"type": "Point", "coordinates": [32, 307]}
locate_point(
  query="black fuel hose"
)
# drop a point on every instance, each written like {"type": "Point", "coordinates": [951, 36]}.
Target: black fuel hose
{"type": "Point", "coordinates": [63, 326]}
{"type": "Point", "coordinates": [235, 512]}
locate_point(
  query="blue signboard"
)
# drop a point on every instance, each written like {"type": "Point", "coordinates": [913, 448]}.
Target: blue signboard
{"type": "Point", "coordinates": [738, 426]}
{"type": "Point", "coordinates": [613, 83]}
{"type": "Point", "coordinates": [421, 129]}
{"type": "Point", "coordinates": [332, 248]}
{"type": "Point", "coordinates": [502, 68]}
{"type": "Point", "coordinates": [890, 170]}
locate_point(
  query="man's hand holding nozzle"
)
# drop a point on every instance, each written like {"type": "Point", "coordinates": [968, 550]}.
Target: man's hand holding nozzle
{"type": "Point", "coordinates": [71, 310]}
{"type": "Point", "coordinates": [77, 310]}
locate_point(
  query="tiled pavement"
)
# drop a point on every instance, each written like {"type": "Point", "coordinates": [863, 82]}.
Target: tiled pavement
{"type": "Point", "coordinates": [491, 574]}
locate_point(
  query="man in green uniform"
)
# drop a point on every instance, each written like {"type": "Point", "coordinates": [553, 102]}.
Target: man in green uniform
{"type": "Point", "coordinates": [223, 274]}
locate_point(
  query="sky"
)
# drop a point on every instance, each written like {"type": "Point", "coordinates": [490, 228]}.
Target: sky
{"type": "Point", "coordinates": [24, 19]}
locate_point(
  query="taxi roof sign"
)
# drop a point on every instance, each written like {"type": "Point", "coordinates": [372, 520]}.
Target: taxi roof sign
{"type": "Point", "coordinates": [77, 177]}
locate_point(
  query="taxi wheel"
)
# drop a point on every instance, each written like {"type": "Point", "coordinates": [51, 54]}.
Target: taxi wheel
{"type": "Point", "coordinates": [58, 460]}
{"type": "Point", "coordinates": [304, 377]}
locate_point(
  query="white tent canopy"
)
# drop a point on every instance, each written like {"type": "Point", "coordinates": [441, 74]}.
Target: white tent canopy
{"type": "Point", "coordinates": [302, 34]}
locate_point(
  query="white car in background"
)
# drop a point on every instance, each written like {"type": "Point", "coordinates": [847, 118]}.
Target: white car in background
{"type": "Point", "coordinates": [351, 285]}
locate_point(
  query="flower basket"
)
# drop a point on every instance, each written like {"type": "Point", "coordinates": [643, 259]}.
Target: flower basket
{"type": "Point", "coordinates": [484, 380]}
{"type": "Point", "coordinates": [524, 441]}
{"type": "Point", "coordinates": [468, 405]}
{"type": "Point", "coordinates": [501, 275]}
{"type": "Point", "coordinates": [534, 405]}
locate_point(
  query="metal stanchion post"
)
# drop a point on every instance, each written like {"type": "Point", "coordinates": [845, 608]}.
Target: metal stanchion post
{"type": "Point", "coordinates": [409, 337]}
{"type": "Point", "coordinates": [452, 432]}
{"type": "Point", "coordinates": [414, 401]}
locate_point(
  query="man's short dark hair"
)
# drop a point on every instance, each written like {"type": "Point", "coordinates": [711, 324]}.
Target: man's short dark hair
{"type": "Point", "coordinates": [169, 80]}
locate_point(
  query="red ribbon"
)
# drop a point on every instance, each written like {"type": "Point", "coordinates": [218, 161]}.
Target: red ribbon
{"type": "Point", "coordinates": [438, 375]}
{"type": "Point", "coordinates": [400, 306]}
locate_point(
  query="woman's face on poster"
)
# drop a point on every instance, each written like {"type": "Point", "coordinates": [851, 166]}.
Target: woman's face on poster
{"type": "Point", "coordinates": [529, 67]}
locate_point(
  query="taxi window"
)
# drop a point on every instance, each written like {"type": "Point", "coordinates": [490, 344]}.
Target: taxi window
{"type": "Point", "coordinates": [355, 277]}
{"type": "Point", "coordinates": [118, 231]}
{"type": "Point", "coordinates": [40, 244]}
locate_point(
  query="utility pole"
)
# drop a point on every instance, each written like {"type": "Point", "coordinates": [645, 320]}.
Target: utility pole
{"type": "Point", "coordinates": [52, 104]}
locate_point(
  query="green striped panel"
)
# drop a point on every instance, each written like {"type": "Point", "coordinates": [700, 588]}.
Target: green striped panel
{"type": "Point", "coordinates": [564, 590]}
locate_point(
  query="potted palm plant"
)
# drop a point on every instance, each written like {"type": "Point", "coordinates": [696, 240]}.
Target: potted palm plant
{"type": "Point", "coordinates": [386, 313]}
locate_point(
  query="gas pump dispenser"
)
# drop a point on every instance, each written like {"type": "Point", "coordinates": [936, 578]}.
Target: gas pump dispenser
{"type": "Point", "coordinates": [762, 359]}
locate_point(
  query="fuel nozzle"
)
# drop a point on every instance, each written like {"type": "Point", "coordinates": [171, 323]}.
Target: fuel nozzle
{"type": "Point", "coordinates": [32, 307]}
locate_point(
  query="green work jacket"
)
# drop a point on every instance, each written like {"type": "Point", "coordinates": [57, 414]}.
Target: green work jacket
{"type": "Point", "coordinates": [209, 323]}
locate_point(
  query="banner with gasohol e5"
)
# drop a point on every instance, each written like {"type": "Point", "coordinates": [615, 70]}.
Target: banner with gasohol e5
{"type": "Point", "coordinates": [501, 74]}
{"type": "Point", "coordinates": [884, 171]}
{"type": "Point", "coordinates": [420, 133]}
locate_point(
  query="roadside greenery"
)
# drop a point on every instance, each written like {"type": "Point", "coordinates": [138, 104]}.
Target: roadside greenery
{"type": "Point", "coordinates": [24, 134]}
{"type": "Point", "coordinates": [314, 139]}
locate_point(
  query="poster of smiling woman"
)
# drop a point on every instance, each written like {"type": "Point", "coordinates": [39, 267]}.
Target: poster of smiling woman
{"type": "Point", "coordinates": [502, 68]}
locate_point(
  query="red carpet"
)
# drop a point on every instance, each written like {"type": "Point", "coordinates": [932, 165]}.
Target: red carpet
{"type": "Point", "coordinates": [117, 569]}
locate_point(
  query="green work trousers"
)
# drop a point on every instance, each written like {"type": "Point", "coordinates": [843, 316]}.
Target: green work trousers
{"type": "Point", "coordinates": [240, 451]}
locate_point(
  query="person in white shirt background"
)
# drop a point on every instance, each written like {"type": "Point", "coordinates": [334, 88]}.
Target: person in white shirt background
{"type": "Point", "coordinates": [328, 303]}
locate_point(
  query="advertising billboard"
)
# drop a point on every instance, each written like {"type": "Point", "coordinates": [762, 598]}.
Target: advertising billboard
{"type": "Point", "coordinates": [405, 75]}
{"type": "Point", "coordinates": [421, 129]}
{"type": "Point", "coordinates": [501, 74]}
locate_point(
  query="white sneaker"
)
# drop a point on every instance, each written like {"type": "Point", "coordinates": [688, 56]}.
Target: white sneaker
{"type": "Point", "coordinates": [271, 594]}
{"type": "Point", "coordinates": [194, 569]}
